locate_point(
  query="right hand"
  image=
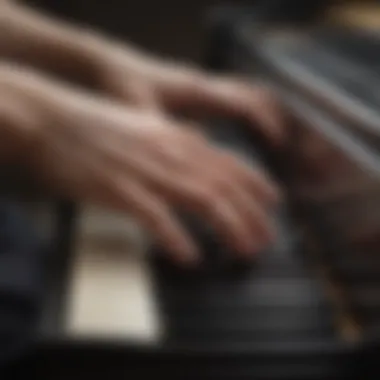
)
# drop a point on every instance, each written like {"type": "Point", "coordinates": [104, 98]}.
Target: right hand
{"type": "Point", "coordinates": [95, 150]}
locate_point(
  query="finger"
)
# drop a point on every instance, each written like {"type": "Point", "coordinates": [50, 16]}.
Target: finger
{"type": "Point", "coordinates": [180, 184]}
{"type": "Point", "coordinates": [255, 216]}
{"type": "Point", "coordinates": [185, 191]}
{"type": "Point", "coordinates": [202, 156]}
{"type": "Point", "coordinates": [253, 180]}
{"type": "Point", "coordinates": [212, 160]}
{"type": "Point", "coordinates": [247, 227]}
{"type": "Point", "coordinates": [128, 195]}
{"type": "Point", "coordinates": [253, 226]}
{"type": "Point", "coordinates": [246, 192]}
{"type": "Point", "coordinates": [243, 225]}
{"type": "Point", "coordinates": [237, 98]}
{"type": "Point", "coordinates": [194, 152]}
{"type": "Point", "coordinates": [226, 219]}
{"type": "Point", "coordinates": [154, 214]}
{"type": "Point", "coordinates": [219, 211]}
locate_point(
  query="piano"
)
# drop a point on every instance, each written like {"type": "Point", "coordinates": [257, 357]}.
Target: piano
{"type": "Point", "coordinates": [317, 289]}
{"type": "Point", "coordinates": [309, 306]}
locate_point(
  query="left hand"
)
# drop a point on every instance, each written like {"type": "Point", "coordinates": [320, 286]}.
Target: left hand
{"type": "Point", "coordinates": [128, 74]}
{"type": "Point", "coordinates": [157, 84]}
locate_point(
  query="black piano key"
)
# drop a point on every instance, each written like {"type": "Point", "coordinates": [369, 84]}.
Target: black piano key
{"type": "Point", "coordinates": [227, 310]}
{"type": "Point", "coordinates": [249, 293]}
{"type": "Point", "coordinates": [275, 262]}
{"type": "Point", "coordinates": [267, 313]}
{"type": "Point", "coordinates": [253, 323]}
{"type": "Point", "coordinates": [225, 337]}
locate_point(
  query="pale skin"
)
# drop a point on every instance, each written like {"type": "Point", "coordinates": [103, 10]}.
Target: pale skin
{"type": "Point", "coordinates": [116, 142]}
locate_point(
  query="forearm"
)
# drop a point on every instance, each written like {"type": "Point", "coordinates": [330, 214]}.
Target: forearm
{"type": "Point", "coordinates": [32, 38]}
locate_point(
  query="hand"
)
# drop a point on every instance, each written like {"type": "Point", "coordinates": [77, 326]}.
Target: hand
{"type": "Point", "coordinates": [130, 75]}
{"type": "Point", "coordinates": [148, 82]}
{"type": "Point", "coordinates": [144, 164]}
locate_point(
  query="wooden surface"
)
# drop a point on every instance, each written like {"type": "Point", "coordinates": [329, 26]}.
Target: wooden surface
{"type": "Point", "coordinates": [358, 14]}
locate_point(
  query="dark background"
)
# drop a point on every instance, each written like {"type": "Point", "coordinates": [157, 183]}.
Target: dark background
{"type": "Point", "coordinates": [168, 27]}
{"type": "Point", "coordinates": [173, 27]}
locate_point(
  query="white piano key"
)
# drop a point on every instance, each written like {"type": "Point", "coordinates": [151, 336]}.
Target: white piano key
{"type": "Point", "coordinates": [110, 289]}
